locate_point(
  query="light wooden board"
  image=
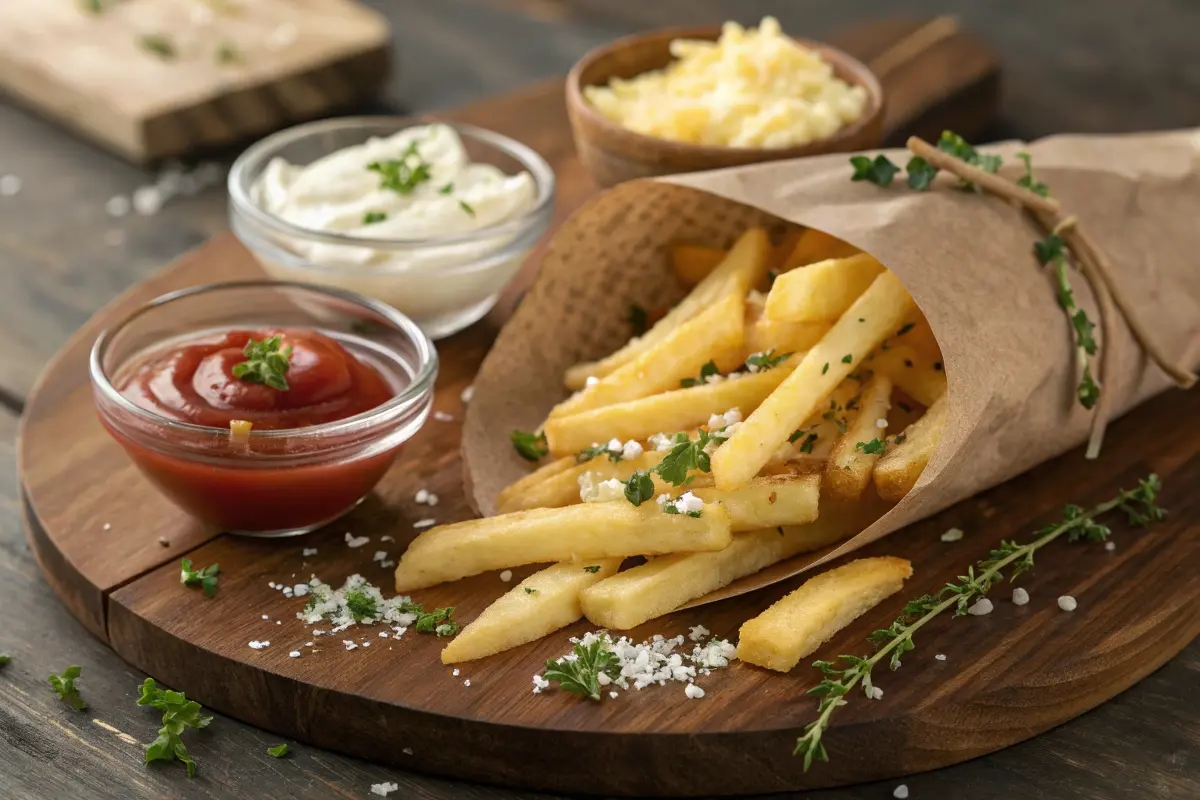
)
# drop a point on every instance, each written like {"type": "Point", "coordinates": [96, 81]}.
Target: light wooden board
{"type": "Point", "coordinates": [294, 60]}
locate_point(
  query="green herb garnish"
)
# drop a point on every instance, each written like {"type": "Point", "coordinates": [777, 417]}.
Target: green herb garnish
{"type": "Point", "coordinates": [581, 675]}
{"type": "Point", "coordinates": [467, 207]}
{"type": "Point", "coordinates": [5, 658]}
{"type": "Point", "coordinates": [372, 217]}
{"type": "Point", "coordinates": [530, 590]}
{"type": "Point", "coordinates": [158, 44]}
{"type": "Point", "coordinates": [228, 53]}
{"type": "Point", "coordinates": [807, 445]}
{"type": "Point", "coordinates": [709, 368]}
{"type": "Point", "coordinates": [64, 686]}
{"type": "Point", "coordinates": [593, 569]}
{"type": "Point", "coordinates": [825, 368]}
{"type": "Point", "coordinates": [875, 447]}
{"type": "Point", "coordinates": [278, 751]}
{"type": "Point", "coordinates": [920, 174]}
{"type": "Point", "coordinates": [765, 360]}
{"type": "Point", "coordinates": [1028, 181]}
{"type": "Point", "coordinates": [265, 363]}
{"type": "Point", "coordinates": [178, 714]}
{"type": "Point", "coordinates": [639, 487]}
{"type": "Point", "coordinates": [437, 622]}
{"type": "Point", "coordinates": [879, 172]}
{"type": "Point", "coordinates": [205, 578]}
{"type": "Point", "coordinates": [1140, 507]}
{"type": "Point", "coordinates": [404, 174]}
{"type": "Point", "coordinates": [529, 446]}
{"type": "Point", "coordinates": [361, 605]}
{"type": "Point", "coordinates": [848, 358]}
{"type": "Point", "coordinates": [588, 453]}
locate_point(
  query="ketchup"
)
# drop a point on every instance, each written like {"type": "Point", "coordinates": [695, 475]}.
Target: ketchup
{"type": "Point", "coordinates": [274, 484]}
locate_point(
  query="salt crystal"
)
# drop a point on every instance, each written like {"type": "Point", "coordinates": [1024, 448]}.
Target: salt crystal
{"type": "Point", "coordinates": [693, 691]}
{"type": "Point", "coordinates": [294, 654]}
{"type": "Point", "coordinates": [384, 789]}
{"type": "Point", "coordinates": [952, 535]}
{"type": "Point", "coordinates": [309, 551]}
{"type": "Point", "coordinates": [1067, 603]}
{"type": "Point", "coordinates": [442, 416]}
{"type": "Point", "coordinates": [980, 607]}
{"type": "Point", "coordinates": [117, 206]}
{"type": "Point", "coordinates": [614, 695]}
{"type": "Point", "coordinates": [940, 656]}
{"type": "Point", "coordinates": [424, 523]}
{"type": "Point", "coordinates": [259, 645]}
{"type": "Point", "coordinates": [467, 394]}
{"type": "Point", "coordinates": [467, 682]}
{"type": "Point", "coordinates": [356, 541]}
{"type": "Point", "coordinates": [1110, 546]}
{"type": "Point", "coordinates": [506, 575]}
{"type": "Point", "coordinates": [1020, 596]}
{"type": "Point", "coordinates": [900, 792]}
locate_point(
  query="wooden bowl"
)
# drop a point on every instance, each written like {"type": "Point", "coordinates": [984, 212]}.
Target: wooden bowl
{"type": "Point", "coordinates": [613, 154]}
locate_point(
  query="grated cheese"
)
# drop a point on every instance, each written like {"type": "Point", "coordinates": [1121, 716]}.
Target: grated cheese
{"type": "Point", "coordinates": [384, 789]}
{"type": "Point", "coordinates": [952, 535]}
{"type": "Point", "coordinates": [259, 645]}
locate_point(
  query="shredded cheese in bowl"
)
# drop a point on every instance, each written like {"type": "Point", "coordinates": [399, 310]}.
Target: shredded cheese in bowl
{"type": "Point", "coordinates": [751, 88]}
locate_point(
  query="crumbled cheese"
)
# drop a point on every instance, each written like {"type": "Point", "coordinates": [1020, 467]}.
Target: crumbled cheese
{"type": "Point", "coordinates": [300, 590]}
{"type": "Point", "coordinates": [424, 523]}
{"type": "Point", "coordinates": [540, 683]}
{"type": "Point", "coordinates": [980, 607]}
{"type": "Point", "coordinates": [661, 441]}
{"type": "Point", "coordinates": [631, 450]}
{"type": "Point", "coordinates": [614, 446]}
{"type": "Point", "coordinates": [10, 185]}
{"type": "Point", "coordinates": [506, 575]}
{"type": "Point", "coordinates": [952, 535]}
{"type": "Point", "coordinates": [259, 645]}
{"type": "Point", "coordinates": [456, 672]}
{"type": "Point", "coordinates": [693, 691]}
{"type": "Point", "coordinates": [716, 377]}
{"type": "Point", "coordinates": [1067, 603]}
{"type": "Point", "coordinates": [388, 538]}
{"type": "Point", "coordinates": [356, 541]}
{"type": "Point", "coordinates": [663, 499]}
{"type": "Point", "coordinates": [117, 206]}
{"type": "Point", "coordinates": [309, 551]}
{"type": "Point", "coordinates": [940, 657]}
{"type": "Point", "coordinates": [350, 644]}
{"type": "Point", "coordinates": [614, 695]}
{"type": "Point", "coordinates": [1020, 596]}
{"type": "Point", "coordinates": [611, 489]}
{"type": "Point", "coordinates": [1110, 546]}
{"type": "Point", "coordinates": [720, 421]}
{"type": "Point", "coordinates": [900, 792]}
{"type": "Point", "coordinates": [442, 416]}
{"type": "Point", "coordinates": [380, 555]}
{"type": "Point", "coordinates": [698, 633]}
{"type": "Point", "coordinates": [294, 654]}
{"type": "Point", "coordinates": [383, 634]}
{"type": "Point", "coordinates": [881, 423]}
{"type": "Point", "coordinates": [384, 789]}
{"type": "Point", "coordinates": [467, 394]}
{"type": "Point", "coordinates": [686, 503]}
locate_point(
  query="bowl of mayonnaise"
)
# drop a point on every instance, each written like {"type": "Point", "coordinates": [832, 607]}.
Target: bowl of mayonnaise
{"type": "Point", "coordinates": [432, 219]}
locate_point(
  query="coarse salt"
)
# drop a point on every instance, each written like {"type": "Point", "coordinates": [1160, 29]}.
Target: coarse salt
{"type": "Point", "coordinates": [356, 541]}
{"type": "Point", "coordinates": [387, 538]}
{"type": "Point", "coordinates": [698, 632]}
{"type": "Point", "coordinates": [467, 682]}
{"type": "Point", "coordinates": [467, 394]}
{"type": "Point", "coordinates": [1110, 546]}
{"type": "Point", "coordinates": [408, 751]}
{"type": "Point", "coordinates": [1067, 603]}
{"type": "Point", "coordinates": [106, 526]}
{"type": "Point", "coordinates": [259, 645]}
{"type": "Point", "coordinates": [506, 575]}
{"type": "Point", "coordinates": [421, 496]}
{"type": "Point", "coordinates": [384, 789]}
{"type": "Point", "coordinates": [693, 691]}
{"type": "Point", "coordinates": [952, 535]}
{"type": "Point", "coordinates": [442, 416]}
{"type": "Point", "coordinates": [881, 423]}
{"type": "Point", "coordinates": [980, 607]}
{"type": "Point", "coordinates": [900, 792]}
{"type": "Point", "coordinates": [940, 657]}
{"type": "Point", "coordinates": [1020, 597]}
{"type": "Point", "coordinates": [294, 654]}
{"type": "Point", "coordinates": [350, 644]}
{"type": "Point", "coordinates": [614, 695]}
{"type": "Point", "coordinates": [308, 551]}
{"type": "Point", "coordinates": [379, 556]}
{"type": "Point", "coordinates": [456, 672]}
{"type": "Point", "coordinates": [424, 523]}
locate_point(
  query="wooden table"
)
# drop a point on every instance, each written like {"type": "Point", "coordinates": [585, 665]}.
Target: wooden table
{"type": "Point", "coordinates": [1118, 67]}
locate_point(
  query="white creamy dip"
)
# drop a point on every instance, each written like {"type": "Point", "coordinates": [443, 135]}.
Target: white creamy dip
{"type": "Point", "coordinates": [409, 189]}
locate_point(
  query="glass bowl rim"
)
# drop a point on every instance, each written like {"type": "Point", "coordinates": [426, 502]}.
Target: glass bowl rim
{"type": "Point", "coordinates": [421, 385]}
{"type": "Point", "coordinates": [263, 150]}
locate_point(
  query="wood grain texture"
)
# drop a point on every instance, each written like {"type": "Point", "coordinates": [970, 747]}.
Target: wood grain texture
{"type": "Point", "coordinates": [293, 61]}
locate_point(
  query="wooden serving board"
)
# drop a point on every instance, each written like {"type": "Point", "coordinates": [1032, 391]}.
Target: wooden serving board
{"type": "Point", "coordinates": [240, 68]}
{"type": "Point", "coordinates": [95, 526]}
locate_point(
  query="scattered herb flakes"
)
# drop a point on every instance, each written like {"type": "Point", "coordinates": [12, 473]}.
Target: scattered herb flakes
{"type": "Point", "coordinates": [530, 590]}
{"type": "Point", "coordinates": [592, 569]}
{"type": "Point", "coordinates": [706, 370]}
{"type": "Point", "coordinates": [373, 217]}
{"type": "Point", "coordinates": [765, 360]}
{"type": "Point", "coordinates": [447, 189]}
{"type": "Point", "coordinates": [529, 446]}
{"type": "Point", "coordinates": [588, 453]}
{"type": "Point", "coordinates": [581, 675]}
{"type": "Point", "coordinates": [467, 207]}
{"type": "Point", "coordinates": [265, 363]}
{"type": "Point", "coordinates": [278, 751]}
{"type": "Point", "coordinates": [906, 328]}
{"type": "Point", "coordinates": [796, 434]}
{"type": "Point", "coordinates": [900, 438]}
{"type": "Point", "coordinates": [825, 368]}
{"type": "Point", "coordinates": [875, 447]}
{"type": "Point", "coordinates": [228, 53]}
{"type": "Point", "coordinates": [64, 687]}
{"type": "Point", "coordinates": [178, 714]}
{"type": "Point", "coordinates": [437, 622]}
{"type": "Point", "coordinates": [807, 445]}
{"type": "Point", "coordinates": [159, 44]}
{"type": "Point", "coordinates": [880, 171]}
{"type": "Point", "coordinates": [639, 487]}
{"type": "Point", "coordinates": [1028, 181]}
{"type": "Point", "coordinates": [205, 578]}
{"type": "Point", "coordinates": [1050, 248]}
{"type": "Point", "coordinates": [404, 174]}
{"type": "Point", "coordinates": [848, 358]}
{"type": "Point", "coordinates": [5, 659]}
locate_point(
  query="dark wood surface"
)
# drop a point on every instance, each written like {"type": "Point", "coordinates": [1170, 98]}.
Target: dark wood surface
{"type": "Point", "coordinates": [1119, 67]}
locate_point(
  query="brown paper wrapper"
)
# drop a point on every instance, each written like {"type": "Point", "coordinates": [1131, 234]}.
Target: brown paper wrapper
{"type": "Point", "coordinates": [966, 259]}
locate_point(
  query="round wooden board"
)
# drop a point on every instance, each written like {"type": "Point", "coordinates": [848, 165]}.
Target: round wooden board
{"type": "Point", "coordinates": [96, 524]}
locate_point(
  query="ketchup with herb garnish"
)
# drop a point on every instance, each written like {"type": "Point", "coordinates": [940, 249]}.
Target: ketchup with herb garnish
{"type": "Point", "coordinates": [279, 381]}
{"type": "Point", "coordinates": [274, 379]}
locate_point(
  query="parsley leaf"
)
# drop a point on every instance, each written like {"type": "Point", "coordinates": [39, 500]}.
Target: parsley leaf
{"type": "Point", "coordinates": [178, 713]}
{"type": "Point", "coordinates": [404, 174]}
{"type": "Point", "coordinates": [950, 142]}
{"type": "Point", "coordinates": [639, 319]}
{"type": "Point", "coordinates": [530, 590]}
{"type": "Point", "coordinates": [796, 434]}
{"type": "Point", "coordinates": [278, 751]}
{"type": "Point", "coordinates": [205, 578]}
{"type": "Point", "coordinates": [709, 368]}
{"type": "Point", "coordinates": [686, 456]}
{"type": "Point", "coordinates": [593, 569]}
{"type": "Point", "coordinates": [158, 44]}
{"type": "Point", "coordinates": [1028, 181]}
{"type": "Point", "coordinates": [1050, 248]}
{"type": "Point", "coordinates": [372, 217]}
{"type": "Point", "coordinates": [807, 445]}
{"type": "Point", "coordinates": [764, 360]}
{"type": "Point", "coordinates": [1083, 332]}
{"type": "Point", "coordinates": [588, 453]}
{"type": "Point", "coordinates": [5, 658]}
{"type": "Point", "coordinates": [529, 446]}
{"type": "Point", "coordinates": [879, 172]}
{"type": "Point", "coordinates": [639, 487]}
{"type": "Point", "coordinates": [264, 363]}
{"type": "Point", "coordinates": [848, 358]}
{"type": "Point", "coordinates": [361, 605]}
{"type": "Point", "coordinates": [467, 207]}
{"type": "Point", "coordinates": [447, 189]}
{"type": "Point", "coordinates": [581, 675]}
{"type": "Point", "coordinates": [874, 447]}
{"type": "Point", "coordinates": [1089, 390]}
{"type": "Point", "coordinates": [825, 368]}
{"type": "Point", "coordinates": [437, 622]}
{"type": "Point", "coordinates": [920, 173]}
{"type": "Point", "coordinates": [64, 686]}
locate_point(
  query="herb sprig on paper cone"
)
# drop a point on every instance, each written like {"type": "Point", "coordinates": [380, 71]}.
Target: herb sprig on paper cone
{"type": "Point", "coordinates": [1065, 242]}
{"type": "Point", "coordinates": [843, 675]}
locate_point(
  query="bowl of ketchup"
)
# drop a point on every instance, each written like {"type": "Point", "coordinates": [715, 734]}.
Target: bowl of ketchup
{"type": "Point", "coordinates": [261, 407]}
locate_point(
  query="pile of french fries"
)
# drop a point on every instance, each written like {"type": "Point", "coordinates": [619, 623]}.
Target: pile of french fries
{"type": "Point", "coordinates": [792, 395]}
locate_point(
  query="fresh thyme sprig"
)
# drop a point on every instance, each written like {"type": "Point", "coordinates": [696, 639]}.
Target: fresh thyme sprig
{"type": "Point", "coordinates": [1052, 250]}
{"type": "Point", "coordinates": [581, 675]}
{"type": "Point", "coordinates": [529, 446]}
{"type": "Point", "coordinates": [1141, 508]}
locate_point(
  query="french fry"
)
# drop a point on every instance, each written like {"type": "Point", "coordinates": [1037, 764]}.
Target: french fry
{"type": "Point", "coordinates": [694, 262]}
{"type": "Point", "coordinates": [808, 617]}
{"type": "Point", "coordinates": [544, 535]}
{"type": "Point", "coordinates": [541, 604]}
{"type": "Point", "coordinates": [526, 484]}
{"type": "Point", "coordinates": [562, 489]}
{"type": "Point", "coordinates": [767, 501]}
{"type": "Point", "coordinates": [764, 334]}
{"type": "Point", "coordinates": [813, 441]}
{"type": "Point", "coordinates": [677, 410]}
{"type": "Point", "coordinates": [813, 246]}
{"type": "Point", "coordinates": [897, 471]}
{"type": "Point", "coordinates": [715, 334]}
{"type": "Point", "coordinates": [745, 265]}
{"type": "Point", "coordinates": [804, 391]}
{"type": "Point", "coordinates": [917, 376]}
{"type": "Point", "coordinates": [663, 584]}
{"type": "Point", "coordinates": [822, 291]}
{"type": "Point", "coordinates": [916, 333]}
{"type": "Point", "coordinates": [848, 470]}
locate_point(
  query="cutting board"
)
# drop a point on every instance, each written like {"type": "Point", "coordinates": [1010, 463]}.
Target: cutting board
{"type": "Point", "coordinates": [151, 79]}
{"type": "Point", "coordinates": [110, 546]}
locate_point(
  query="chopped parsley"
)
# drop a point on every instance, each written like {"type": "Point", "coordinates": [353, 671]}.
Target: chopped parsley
{"type": "Point", "coordinates": [158, 44]}
{"type": "Point", "coordinates": [178, 714]}
{"type": "Point", "coordinates": [765, 360]}
{"type": "Point", "coordinates": [950, 142]}
{"type": "Point", "coordinates": [5, 658]}
{"type": "Point", "coordinates": [361, 606]}
{"type": "Point", "coordinates": [874, 447]}
{"type": "Point", "coordinates": [372, 217]}
{"type": "Point", "coordinates": [796, 434]}
{"type": "Point", "coordinates": [529, 446]}
{"type": "Point", "coordinates": [205, 578]}
{"type": "Point", "coordinates": [278, 751]}
{"type": "Point", "coordinates": [588, 453]}
{"type": "Point", "coordinates": [708, 369]}
{"type": "Point", "coordinates": [447, 189]}
{"type": "Point", "coordinates": [581, 675]}
{"type": "Point", "coordinates": [639, 487]}
{"type": "Point", "coordinates": [906, 328]}
{"type": "Point", "coordinates": [825, 368]}
{"type": "Point", "coordinates": [807, 445]}
{"type": "Point", "coordinates": [404, 174]}
{"type": "Point", "coordinates": [437, 621]}
{"type": "Point", "coordinates": [265, 363]}
{"type": "Point", "coordinates": [880, 171]}
{"type": "Point", "coordinates": [848, 358]}
{"type": "Point", "coordinates": [1028, 181]}
{"type": "Point", "coordinates": [467, 207]}
{"type": "Point", "coordinates": [592, 569]}
{"type": "Point", "coordinates": [64, 687]}
{"type": "Point", "coordinates": [530, 590]}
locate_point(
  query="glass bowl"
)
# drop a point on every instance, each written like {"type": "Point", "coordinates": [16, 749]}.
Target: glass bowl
{"type": "Point", "coordinates": [273, 482]}
{"type": "Point", "coordinates": [443, 284]}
